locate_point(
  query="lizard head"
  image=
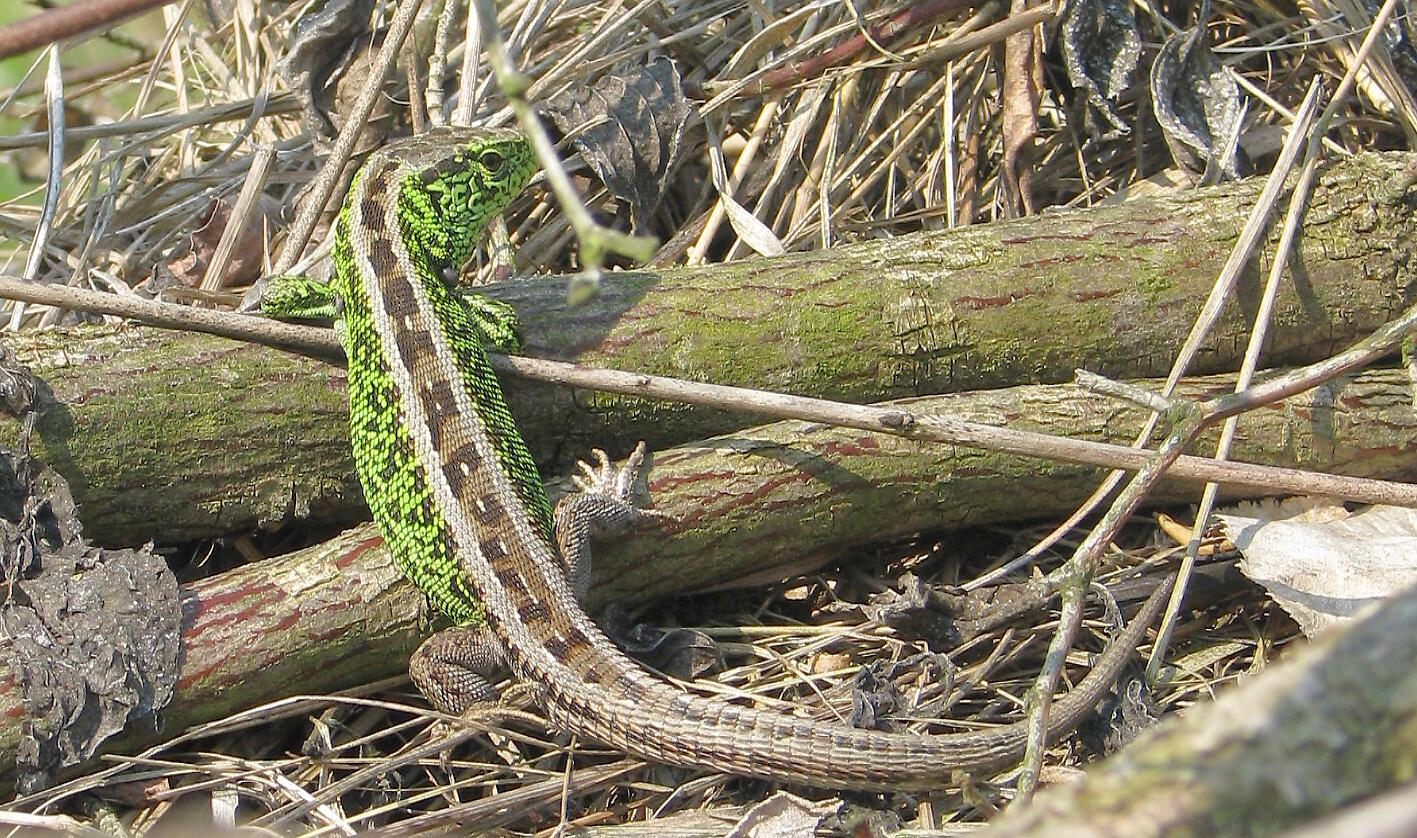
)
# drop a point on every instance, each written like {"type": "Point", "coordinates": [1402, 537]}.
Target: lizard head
{"type": "Point", "coordinates": [459, 179]}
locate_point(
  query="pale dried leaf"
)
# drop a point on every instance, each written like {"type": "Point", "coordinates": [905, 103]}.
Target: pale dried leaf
{"type": "Point", "coordinates": [784, 816]}
{"type": "Point", "coordinates": [1323, 565]}
{"type": "Point", "coordinates": [1023, 72]}
{"type": "Point", "coordinates": [753, 232]}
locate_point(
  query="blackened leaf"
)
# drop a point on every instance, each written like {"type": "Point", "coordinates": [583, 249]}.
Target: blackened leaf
{"type": "Point", "coordinates": [1101, 47]}
{"type": "Point", "coordinates": [628, 127]}
{"type": "Point", "coordinates": [1121, 716]}
{"type": "Point", "coordinates": [1198, 105]}
{"type": "Point", "coordinates": [683, 653]}
{"type": "Point", "coordinates": [875, 697]}
{"type": "Point", "coordinates": [94, 633]}
{"type": "Point", "coordinates": [873, 700]}
{"type": "Point", "coordinates": [323, 40]}
{"type": "Point", "coordinates": [909, 612]}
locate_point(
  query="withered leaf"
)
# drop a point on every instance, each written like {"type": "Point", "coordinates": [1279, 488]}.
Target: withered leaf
{"type": "Point", "coordinates": [629, 128]}
{"type": "Point", "coordinates": [1101, 48]}
{"type": "Point", "coordinates": [1198, 105]}
{"type": "Point", "coordinates": [94, 632]}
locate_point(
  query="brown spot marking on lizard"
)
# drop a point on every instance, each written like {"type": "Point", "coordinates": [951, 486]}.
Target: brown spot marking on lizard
{"type": "Point", "coordinates": [516, 584]}
{"type": "Point", "coordinates": [485, 508]}
{"type": "Point", "coordinates": [630, 687]}
{"type": "Point", "coordinates": [557, 646]}
{"type": "Point", "coordinates": [440, 393]}
{"type": "Point", "coordinates": [379, 180]}
{"type": "Point", "coordinates": [371, 215]}
{"type": "Point", "coordinates": [466, 454]}
{"type": "Point", "coordinates": [580, 655]}
{"type": "Point", "coordinates": [409, 340]}
{"type": "Point", "coordinates": [531, 612]}
{"type": "Point", "coordinates": [383, 263]}
{"type": "Point", "coordinates": [396, 291]}
{"type": "Point", "coordinates": [450, 437]}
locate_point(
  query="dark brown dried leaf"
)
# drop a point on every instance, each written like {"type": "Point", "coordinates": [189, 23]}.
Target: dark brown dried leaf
{"type": "Point", "coordinates": [629, 128]}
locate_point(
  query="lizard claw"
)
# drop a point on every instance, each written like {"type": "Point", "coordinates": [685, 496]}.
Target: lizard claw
{"type": "Point", "coordinates": [597, 479]}
{"type": "Point", "coordinates": [625, 485]}
{"type": "Point", "coordinates": [605, 479]}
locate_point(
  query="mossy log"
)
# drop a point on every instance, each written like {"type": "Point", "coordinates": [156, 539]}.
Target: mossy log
{"type": "Point", "coordinates": [176, 437]}
{"type": "Point", "coordinates": [754, 505]}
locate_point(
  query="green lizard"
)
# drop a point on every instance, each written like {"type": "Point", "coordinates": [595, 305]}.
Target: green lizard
{"type": "Point", "coordinates": [462, 509]}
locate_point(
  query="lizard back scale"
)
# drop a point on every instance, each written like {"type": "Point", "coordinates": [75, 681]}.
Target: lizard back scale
{"type": "Point", "coordinates": [457, 497]}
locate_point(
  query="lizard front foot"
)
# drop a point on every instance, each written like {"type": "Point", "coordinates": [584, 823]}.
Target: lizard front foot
{"type": "Point", "coordinates": [294, 297]}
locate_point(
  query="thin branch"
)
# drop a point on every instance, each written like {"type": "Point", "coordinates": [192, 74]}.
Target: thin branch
{"type": "Point", "coordinates": [1298, 202]}
{"type": "Point", "coordinates": [916, 16]}
{"type": "Point", "coordinates": [67, 22]}
{"type": "Point", "coordinates": [1255, 225]}
{"type": "Point", "coordinates": [242, 109]}
{"type": "Point", "coordinates": [891, 420]}
{"type": "Point", "coordinates": [1079, 568]}
{"type": "Point", "coordinates": [1084, 559]}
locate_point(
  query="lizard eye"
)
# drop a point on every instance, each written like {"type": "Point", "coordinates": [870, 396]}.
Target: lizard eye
{"type": "Point", "coordinates": [492, 161]}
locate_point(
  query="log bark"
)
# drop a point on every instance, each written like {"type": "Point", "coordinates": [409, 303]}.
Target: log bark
{"type": "Point", "coordinates": [182, 437]}
{"type": "Point", "coordinates": [754, 505]}
{"type": "Point", "coordinates": [1331, 725]}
